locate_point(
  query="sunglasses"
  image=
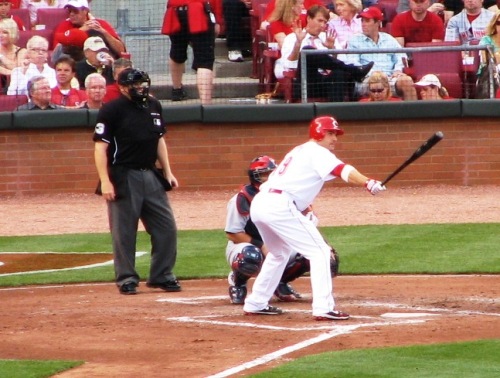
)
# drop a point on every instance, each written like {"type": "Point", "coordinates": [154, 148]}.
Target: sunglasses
{"type": "Point", "coordinates": [377, 90]}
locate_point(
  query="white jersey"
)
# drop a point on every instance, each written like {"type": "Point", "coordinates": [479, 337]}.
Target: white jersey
{"type": "Point", "coordinates": [303, 172]}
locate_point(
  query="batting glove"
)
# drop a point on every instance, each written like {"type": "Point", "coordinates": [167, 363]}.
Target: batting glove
{"type": "Point", "coordinates": [374, 186]}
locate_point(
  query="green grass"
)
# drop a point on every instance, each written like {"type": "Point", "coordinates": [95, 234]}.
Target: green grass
{"type": "Point", "coordinates": [34, 369]}
{"type": "Point", "coordinates": [402, 249]}
{"type": "Point", "coordinates": [465, 360]}
{"type": "Point", "coordinates": [388, 249]}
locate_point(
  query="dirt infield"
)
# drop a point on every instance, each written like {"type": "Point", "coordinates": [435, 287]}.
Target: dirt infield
{"type": "Point", "coordinates": [197, 333]}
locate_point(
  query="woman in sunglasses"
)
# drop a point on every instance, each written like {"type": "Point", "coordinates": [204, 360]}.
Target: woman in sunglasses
{"type": "Point", "coordinates": [379, 88]}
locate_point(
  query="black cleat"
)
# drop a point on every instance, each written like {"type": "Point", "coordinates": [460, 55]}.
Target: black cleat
{"type": "Point", "coordinates": [170, 286]}
{"type": "Point", "coordinates": [129, 288]}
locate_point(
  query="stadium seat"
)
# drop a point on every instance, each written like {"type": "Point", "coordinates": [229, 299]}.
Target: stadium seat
{"type": "Point", "coordinates": [10, 103]}
{"type": "Point", "coordinates": [51, 17]}
{"type": "Point", "coordinates": [388, 8]}
{"type": "Point", "coordinates": [24, 15]}
{"type": "Point", "coordinates": [25, 35]}
{"type": "Point", "coordinates": [258, 36]}
{"type": "Point", "coordinates": [447, 65]}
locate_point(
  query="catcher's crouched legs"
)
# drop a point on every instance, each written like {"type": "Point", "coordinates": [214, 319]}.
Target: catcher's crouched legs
{"type": "Point", "coordinates": [297, 266]}
{"type": "Point", "coordinates": [245, 264]}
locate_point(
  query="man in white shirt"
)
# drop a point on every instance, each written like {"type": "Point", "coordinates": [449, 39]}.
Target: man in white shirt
{"type": "Point", "coordinates": [326, 75]}
{"type": "Point", "coordinates": [470, 24]}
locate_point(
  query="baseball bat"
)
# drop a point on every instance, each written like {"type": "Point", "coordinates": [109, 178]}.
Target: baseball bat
{"type": "Point", "coordinates": [431, 142]}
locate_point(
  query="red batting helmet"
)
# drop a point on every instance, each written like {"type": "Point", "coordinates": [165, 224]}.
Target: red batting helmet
{"type": "Point", "coordinates": [261, 164]}
{"type": "Point", "coordinates": [320, 125]}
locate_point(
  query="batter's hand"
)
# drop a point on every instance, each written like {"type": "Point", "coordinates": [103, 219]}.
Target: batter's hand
{"type": "Point", "coordinates": [374, 186]}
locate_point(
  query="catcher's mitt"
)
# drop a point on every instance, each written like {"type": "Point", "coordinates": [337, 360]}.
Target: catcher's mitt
{"type": "Point", "coordinates": [334, 262]}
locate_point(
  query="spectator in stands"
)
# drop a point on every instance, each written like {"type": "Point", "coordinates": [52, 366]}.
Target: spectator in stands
{"type": "Point", "coordinates": [113, 90]}
{"type": "Point", "coordinates": [444, 8]}
{"type": "Point", "coordinates": [63, 93]}
{"type": "Point", "coordinates": [470, 24]}
{"type": "Point", "coordinates": [238, 39]}
{"type": "Point", "coordinates": [436, 6]}
{"type": "Point", "coordinates": [347, 24]}
{"type": "Point", "coordinates": [71, 34]}
{"type": "Point", "coordinates": [327, 76]}
{"type": "Point", "coordinates": [11, 55]}
{"type": "Point", "coordinates": [430, 88]}
{"type": "Point", "coordinates": [492, 37]}
{"type": "Point", "coordinates": [34, 65]}
{"type": "Point", "coordinates": [5, 8]}
{"type": "Point", "coordinates": [39, 93]}
{"type": "Point", "coordinates": [389, 63]}
{"type": "Point", "coordinates": [271, 6]}
{"type": "Point", "coordinates": [198, 28]}
{"type": "Point", "coordinates": [95, 86]}
{"type": "Point", "coordinates": [34, 5]}
{"type": "Point", "coordinates": [379, 88]}
{"type": "Point", "coordinates": [97, 59]}
{"type": "Point", "coordinates": [417, 24]}
{"type": "Point", "coordinates": [285, 16]}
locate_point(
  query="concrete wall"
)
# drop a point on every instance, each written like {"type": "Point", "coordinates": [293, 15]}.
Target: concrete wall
{"type": "Point", "coordinates": [210, 147]}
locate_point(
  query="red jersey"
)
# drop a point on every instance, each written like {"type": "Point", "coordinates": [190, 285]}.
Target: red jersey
{"type": "Point", "coordinates": [74, 97]}
{"type": "Point", "coordinates": [404, 25]}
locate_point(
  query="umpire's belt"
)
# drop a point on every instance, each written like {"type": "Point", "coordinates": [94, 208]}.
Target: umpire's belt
{"type": "Point", "coordinates": [277, 191]}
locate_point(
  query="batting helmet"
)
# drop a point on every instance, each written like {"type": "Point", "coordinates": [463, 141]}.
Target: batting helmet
{"type": "Point", "coordinates": [320, 125]}
{"type": "Point", "coordinates": [138, 83]}
{"type": "Point", "coordinates": [259, 165]}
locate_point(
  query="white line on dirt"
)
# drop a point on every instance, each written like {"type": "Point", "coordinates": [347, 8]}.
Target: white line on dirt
{"type": "Point", "coordinates": [339, 330]}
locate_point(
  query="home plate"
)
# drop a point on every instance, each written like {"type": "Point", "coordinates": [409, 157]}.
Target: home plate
{"type": "Point", "coordinates": [1, 263]}
{"type": "Point", "coordinates": [400, 315]}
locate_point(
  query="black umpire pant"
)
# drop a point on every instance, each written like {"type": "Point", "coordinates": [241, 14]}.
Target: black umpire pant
{"type": "Point", "coordinates": [147, 201]}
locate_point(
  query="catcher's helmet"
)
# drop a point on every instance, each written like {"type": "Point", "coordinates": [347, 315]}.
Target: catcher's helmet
{"type": "Point", "coordinates": [261, 164]}
{"type": "Point", "coordinates": [320, 125]}
{"type": "Point", "coordinates": [138, 83]}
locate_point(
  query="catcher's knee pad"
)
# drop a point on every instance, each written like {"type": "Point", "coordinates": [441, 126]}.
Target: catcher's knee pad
{"type": "Point", "coordinates": [248, 261]}
{"type": "Point", "coordinates": [296, 268]}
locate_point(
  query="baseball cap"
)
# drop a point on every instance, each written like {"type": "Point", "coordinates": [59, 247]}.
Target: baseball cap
{"type": "Point", "coordinates": [427, 80]}
{"type": "Point", "coordinates": [372, 13]}
{"type": "Point", "coordinates": [94, 44]}
{"type": "Point", "coordinates": [77, 4]}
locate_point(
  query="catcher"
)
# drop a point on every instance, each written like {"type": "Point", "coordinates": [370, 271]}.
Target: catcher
{"type": "Point", "coordinates": [245, 251]}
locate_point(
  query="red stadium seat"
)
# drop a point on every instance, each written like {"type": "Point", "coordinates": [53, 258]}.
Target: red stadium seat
{"type": "Point", "coordinates": [10, 103]}
{"type": "Point", "coordinates": [447, 65]}
{"type": "Point", "coordinates": [24, 15]}
{"type": "Point", "coordinates": [51, 17]}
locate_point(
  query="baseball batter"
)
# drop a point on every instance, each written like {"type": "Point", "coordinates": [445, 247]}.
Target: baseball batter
{"type": "Point", "coordinates": [245, 251]}
{"type": "Point", "coordinates": [277, 212]}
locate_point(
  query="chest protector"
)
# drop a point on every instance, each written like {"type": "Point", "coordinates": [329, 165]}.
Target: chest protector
{"type": "Point", "coordinates": [243, 201]}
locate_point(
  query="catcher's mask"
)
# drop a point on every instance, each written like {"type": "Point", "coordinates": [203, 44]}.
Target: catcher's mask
{"type": "Point", "coordinates": [137, 83]}
{"type": "Point", "coordinates": [320, 125]}
{"type": "Point", "coordinates": [259, 165]}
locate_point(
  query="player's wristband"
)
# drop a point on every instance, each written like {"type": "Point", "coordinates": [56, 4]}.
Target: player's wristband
{"type": "Point", "coordinates": [256, 242]}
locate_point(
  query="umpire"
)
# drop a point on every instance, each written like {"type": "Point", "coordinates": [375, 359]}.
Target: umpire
{"type": "Point", "coordinates": [128, 141]}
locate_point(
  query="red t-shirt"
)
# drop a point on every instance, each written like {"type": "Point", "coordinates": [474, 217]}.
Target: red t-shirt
{"type": "Point", "coordinates": [404, 25]}
{"type": "Point", "coordinates": [112, 92]}
{"type": "Point", "coordinates": [67, 34]}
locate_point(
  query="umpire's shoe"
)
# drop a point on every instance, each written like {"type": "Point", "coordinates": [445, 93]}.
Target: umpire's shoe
{"type": "Point", "coordinates": [237, 294]}
{"type": "Point", "coordinates": [129, 288]}
{"type": "Point", "coordinates": [170, 286]}
{"type": "Point", "coordinates": [286, 293]}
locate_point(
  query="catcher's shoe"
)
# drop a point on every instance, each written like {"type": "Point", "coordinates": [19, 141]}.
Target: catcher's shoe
{"type": "Point", "coordinates": [286, 293]}
{"type": "Point", "coordinates": [237, 294]}
{"type": "Point", "coordinates": [333, 315]}
{"type": "Point", "coordinates": [269, 310]}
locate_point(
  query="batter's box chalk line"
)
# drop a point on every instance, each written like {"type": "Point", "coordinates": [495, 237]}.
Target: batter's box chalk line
{"type": "Point", "coordinates": [212, 320]}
